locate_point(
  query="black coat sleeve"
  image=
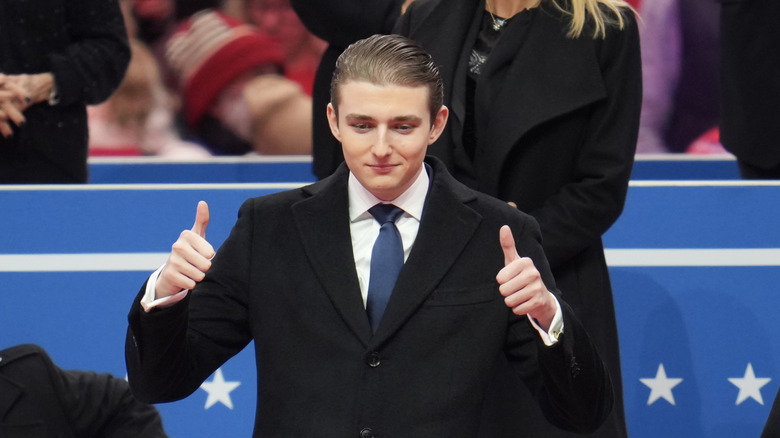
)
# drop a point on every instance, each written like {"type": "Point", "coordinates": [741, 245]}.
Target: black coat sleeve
{"type": "Point", "coordinates": [92, 65]}
{"type": "Point", "coordinates": [571, 384]}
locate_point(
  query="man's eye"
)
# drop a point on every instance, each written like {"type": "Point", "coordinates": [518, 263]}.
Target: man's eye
{"type": "Point", "coordinates": [404, 128]}
{"type": "Point", "coordinates": [360, 126]}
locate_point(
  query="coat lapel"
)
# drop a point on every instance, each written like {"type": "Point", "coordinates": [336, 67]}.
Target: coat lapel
{"type": "Point", "coordinates": [528, 81]}
{"type": "Point", "coordinates": [442, 21]}
{"type": "Point", "coordinates": [327, 242]}
{"type": "Point", "coordinates": [447, 226]}
{"type": "Point", "coordinates": [9, 394]}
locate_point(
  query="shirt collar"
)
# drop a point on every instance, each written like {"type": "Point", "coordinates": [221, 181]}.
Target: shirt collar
{"type": "Point", "coordinates": [411, 201]}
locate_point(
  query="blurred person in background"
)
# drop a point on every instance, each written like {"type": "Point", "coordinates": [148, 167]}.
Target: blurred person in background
{"type": "Point", "coordinates": [153, 18]}
{"type": "Point", "coordinates": [56, 57]}
{"type": "Point", "coordinates": [750, 85]}
{"type": "Point", "coordinates": [235, 97]}
{"type": "Point", "coordinates": [157, 20]}
{"type": "Point", "coordinates": [38, 399]}
{"type": "Point", "coordinates": [680, 54]}
{"type": "Point", "coordinates": [276, 18]}
{"type": "Point", "coordinates": [138, 119]}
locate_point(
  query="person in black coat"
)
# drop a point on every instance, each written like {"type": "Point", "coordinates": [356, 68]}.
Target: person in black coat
{"type": "Point", "coordinates": [473, 294]}
{"type": "Point", "coordinates": [750, 85]}
{"type": "Point", "coordinates": [40, 400]}
{"type": "Point", "coordinates": [544, 114]}
{"type": "Point", "coordinates": [56, 57]}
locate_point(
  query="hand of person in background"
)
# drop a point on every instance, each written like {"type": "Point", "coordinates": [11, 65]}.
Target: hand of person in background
{"type": "Point", "coordinates": [190, 258]}
{"type": "Point", "coordinates": [19, 92]}
{"type": "Point", "coordinates": [12, 103]}
{"type": "Point", "coordinates": [35, 88]}
{"type": "Point", "coordinates": [522, 285]}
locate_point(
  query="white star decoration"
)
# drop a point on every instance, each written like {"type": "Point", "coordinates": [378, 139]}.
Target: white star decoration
{"type": "Point", "coordinates": [219, 390]}
{"type": "Point", "coordinates": [749, 385]}
{"type": "Point", "coordinates": [661, 386]}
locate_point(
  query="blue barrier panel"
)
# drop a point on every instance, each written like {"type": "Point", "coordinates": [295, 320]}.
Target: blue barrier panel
{"type": "Point", "coordinates": [695, 269]}
{"type": "Point", "coordinates": [250, 169]}
{"type": "Point", "coordinates": [685, 167]}
{"type": "Point", "coordinates": [262, 169]}
{"type": "Point", "coordinates": [71, 261]}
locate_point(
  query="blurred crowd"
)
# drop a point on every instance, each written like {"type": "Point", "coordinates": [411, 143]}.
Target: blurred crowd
{"type": "Point", "coordinates": [680, 66]}
{"type": "Point", "coordinates": [235, 77]}
{"type": "Point", "coordinates": [210, 77]}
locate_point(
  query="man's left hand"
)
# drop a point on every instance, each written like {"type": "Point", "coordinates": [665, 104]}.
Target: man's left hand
{"type": "Point", "coordinates": [522, 286]}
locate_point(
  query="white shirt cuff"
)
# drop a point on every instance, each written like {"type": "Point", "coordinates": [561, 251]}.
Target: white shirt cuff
{"type": "Point", "coordinates": [149, 302]}
{"type": "Point", "coordinates": [550, 337]}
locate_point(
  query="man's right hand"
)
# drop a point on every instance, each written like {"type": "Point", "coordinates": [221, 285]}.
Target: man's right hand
{"type": "Point", "coordinates": [190, 258]}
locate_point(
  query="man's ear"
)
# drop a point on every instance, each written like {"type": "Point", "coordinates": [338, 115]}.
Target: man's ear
{"type": "Point", "coordinates": [439, 122]}
{"type": "Point", "coordinates": [333, 122]}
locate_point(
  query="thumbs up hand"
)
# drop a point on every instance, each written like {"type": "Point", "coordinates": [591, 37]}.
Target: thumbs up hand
{"type": "Point", "coordinates": [522, 286]}
{"type": "Point", "coordinates": [190, 258]}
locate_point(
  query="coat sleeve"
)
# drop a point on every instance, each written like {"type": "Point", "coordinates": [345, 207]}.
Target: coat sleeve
{"type": "Point", "coordinates": [570, 382]}
{"type": "Point", "coordinates": [584, 209]}
{"type": "Point", "coordinates": [169, 352]}
{"type": "Point", "coordinates": [94, 62]}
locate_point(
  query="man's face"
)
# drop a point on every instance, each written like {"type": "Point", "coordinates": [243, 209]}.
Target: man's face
{"type": "Point", "coordinates": [384, 132]}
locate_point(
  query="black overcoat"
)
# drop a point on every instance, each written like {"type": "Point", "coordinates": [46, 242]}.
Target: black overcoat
{"type": "Point", "coordinates": [286, 278]}
{"type": "Point", "coordinates": [84, 44]}
{"type": "Point", "coordinates": [557, 121]}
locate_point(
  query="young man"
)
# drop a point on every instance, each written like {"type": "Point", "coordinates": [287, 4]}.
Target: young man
{"type": "Point", "coordinates": [297, 275]}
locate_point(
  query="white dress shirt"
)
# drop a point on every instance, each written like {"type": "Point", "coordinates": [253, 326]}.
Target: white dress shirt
{"type": "Point", "coordinates": [365, 229]}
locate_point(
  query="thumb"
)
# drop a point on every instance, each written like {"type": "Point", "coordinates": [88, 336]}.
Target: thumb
{"type": "Point", "coordinates": [201, 219]}
{"type": "Point", "coordinates": [508, 245]}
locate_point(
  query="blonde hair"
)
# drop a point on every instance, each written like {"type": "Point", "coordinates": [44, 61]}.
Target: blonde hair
{"type": "Point", "coordinates": [602, 13]}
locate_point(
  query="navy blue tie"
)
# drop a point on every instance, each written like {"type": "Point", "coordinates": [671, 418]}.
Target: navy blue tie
{"type": "Point", "coordinates": [387, 259]}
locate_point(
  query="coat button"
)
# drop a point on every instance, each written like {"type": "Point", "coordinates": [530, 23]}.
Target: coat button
{"type": "Point", "coordinates": [367, 433]}
{"type": "Point", "coordinates": [373, 360]}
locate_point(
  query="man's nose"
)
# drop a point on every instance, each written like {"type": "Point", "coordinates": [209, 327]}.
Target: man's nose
{"type": "Point", "coordinates": [382, 146]}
